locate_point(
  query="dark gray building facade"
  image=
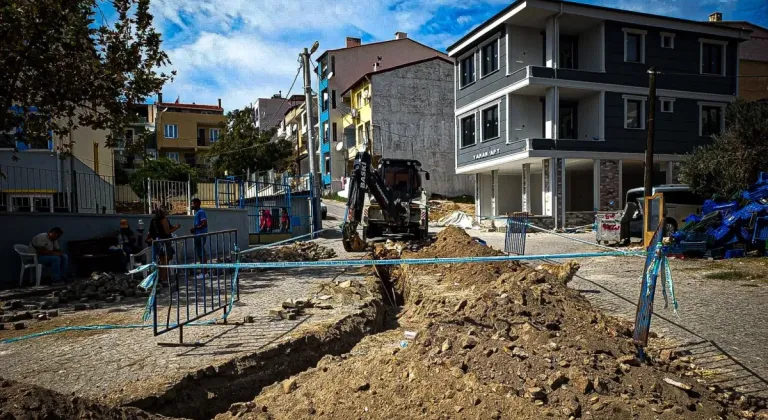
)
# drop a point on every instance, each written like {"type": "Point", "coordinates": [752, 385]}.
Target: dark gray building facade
{"type": "Point", "coordinates": [552, 103]}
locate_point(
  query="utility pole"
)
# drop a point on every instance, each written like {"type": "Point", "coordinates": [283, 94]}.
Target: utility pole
{"type": "Point", "coordinates": [314, 203]}
{"type": "Point", "coordinates": [648, 187]}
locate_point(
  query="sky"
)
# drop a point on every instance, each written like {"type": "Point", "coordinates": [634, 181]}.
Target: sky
{"type": "Point", "coordinates": [241, 50]}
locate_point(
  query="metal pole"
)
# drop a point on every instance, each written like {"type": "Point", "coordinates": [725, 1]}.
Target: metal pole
{"type": "Point", "coordinates": [314, 200]}
{"type": "Point", "coordinates": [149, 195]}
{"type": "Point", "coordinates": [189, 195]}
{"type": "Point", "coordinates": [651, 131]}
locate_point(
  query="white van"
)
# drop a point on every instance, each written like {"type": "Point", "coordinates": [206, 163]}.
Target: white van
{"type": "Point", "coordinates": [679, 203]}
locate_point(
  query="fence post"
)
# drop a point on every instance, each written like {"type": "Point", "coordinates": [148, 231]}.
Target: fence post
{"type": "Point", "coordinates": [189, 195]}
{"type": "Point", "coordinates": [75, 204]}
{"type": "Point", "coordinates": [216, 192]}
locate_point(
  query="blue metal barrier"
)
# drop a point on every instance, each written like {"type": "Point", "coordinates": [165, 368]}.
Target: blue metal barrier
{"type": "Point", "coordinates": [653, 264]}
{"type": "Point", "coordinates": [514, 241]}
{"type": "Point", "coordinates": [194, 292]}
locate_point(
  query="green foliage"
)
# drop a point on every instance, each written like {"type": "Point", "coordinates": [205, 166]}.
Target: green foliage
{"type": "Point", "coordinates": [734, 159]}
{"type": "Point", "coordinates": [64, 58]}
{"type": "Point", "coordinates": [244, 147]}
{"type": "Point", "coordinates": [162, 169]}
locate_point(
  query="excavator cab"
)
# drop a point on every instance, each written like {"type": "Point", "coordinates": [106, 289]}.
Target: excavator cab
{"type": "Point", "coordinates": [402, 176]}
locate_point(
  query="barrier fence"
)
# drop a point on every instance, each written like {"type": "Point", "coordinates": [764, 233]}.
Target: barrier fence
{"type": "Point", "coordinates": [198, 283]}
{"type": "Point", "coordinates": [514, 240]}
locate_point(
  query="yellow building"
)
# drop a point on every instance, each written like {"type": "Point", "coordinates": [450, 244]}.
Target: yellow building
{"type": "Point", "coordinates": [184, 130]}
{"type": "Point", "coordinates": [358, 134]}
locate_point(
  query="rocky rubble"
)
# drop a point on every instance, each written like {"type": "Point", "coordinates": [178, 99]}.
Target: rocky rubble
{"type": "Point", "coordinates": [500, 340]}
{"type": "Point", "coordinates": [297, 251]}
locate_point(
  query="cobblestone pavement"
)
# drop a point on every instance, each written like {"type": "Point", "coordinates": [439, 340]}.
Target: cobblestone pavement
{"type": "Point", "coordinates": [99, 364]}
{"type": "Point", "coordinates": [723, 323]}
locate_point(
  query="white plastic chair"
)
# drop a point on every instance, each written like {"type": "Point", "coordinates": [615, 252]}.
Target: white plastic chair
{"type": "Point", "coordinates": [28, 260]}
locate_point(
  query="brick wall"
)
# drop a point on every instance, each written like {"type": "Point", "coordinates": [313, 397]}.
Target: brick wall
{"type": "Point", "coordinates": [609, 185]}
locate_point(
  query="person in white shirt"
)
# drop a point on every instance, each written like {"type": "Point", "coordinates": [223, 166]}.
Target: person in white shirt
{"type": "Point", "coordinates": [46, 245]}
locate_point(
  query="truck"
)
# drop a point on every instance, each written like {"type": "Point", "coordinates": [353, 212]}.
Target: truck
{"type": "Point", "coordinates": [388, 199]}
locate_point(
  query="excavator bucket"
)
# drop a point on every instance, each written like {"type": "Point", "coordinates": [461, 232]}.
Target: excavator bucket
{"type": "Point", "coordinates": [351, 239]}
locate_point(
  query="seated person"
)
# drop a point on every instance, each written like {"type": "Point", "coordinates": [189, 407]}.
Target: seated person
{"type": "Point", "coordinates": [46, 245]}
{"type": "Point", "coordinates": [127, 240]}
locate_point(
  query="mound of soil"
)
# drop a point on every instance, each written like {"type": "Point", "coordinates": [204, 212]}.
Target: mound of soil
{"type": "Point", "coordinates": [498, 340]}
{"type": "Point", "coordinates": [20, 401]}
{"type": "Point", "coordinates": [297, 251]}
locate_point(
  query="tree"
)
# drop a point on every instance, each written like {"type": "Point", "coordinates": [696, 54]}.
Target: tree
{"type": "Point", "coordinates": [734, 159]}
{"type": "Point", "coordinates": [244, 147]}
{"type": "Point", "coordinates": [164, 169]}
{"type": "Point", "coordinates": [64, 66]}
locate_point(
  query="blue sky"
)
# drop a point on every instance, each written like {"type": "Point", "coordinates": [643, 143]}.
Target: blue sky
{"type": "Point", "coordinates": [240, 50]}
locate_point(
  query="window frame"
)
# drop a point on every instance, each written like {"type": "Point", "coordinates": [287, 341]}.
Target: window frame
{"type": "Point", "coordinates": [671, 38]}
{"type": "Point", "coordinates": [642, 100]}
{"type": "Point", "coordinates": [12, 208]}
{"type": "Point", "coordinates": [723, 45]}
{"type": "Point", "coordinates": [481, 112]}
{"type": "Point", "coordinates": [176, 154]}
{"type": "Point", "coordinates": [482, 56]}
{"type": "Point", "coordinates": [670, 101]}
{"type": "Point", "coordinates": [461, 60]}
{"type": "Point", "coordinates": [641, 35]}
{"type": "Point", "coordinates": [324, 100]}
{"type": "Point", "coordinates": [175, 129]}
{"type": "Point", "coordinates": [472, 115]}
{"type": "Point", "coordinates": [720, 105]}
{"type": "Point", "coordinates": [211, 138]}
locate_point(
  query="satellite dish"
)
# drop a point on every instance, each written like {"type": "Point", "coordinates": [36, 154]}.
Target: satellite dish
{"type": "Point", "coordinates": [340, 147]}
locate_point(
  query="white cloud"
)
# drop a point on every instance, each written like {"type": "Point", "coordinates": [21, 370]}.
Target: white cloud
{"type": "Point", "coordinates": [461, 20]}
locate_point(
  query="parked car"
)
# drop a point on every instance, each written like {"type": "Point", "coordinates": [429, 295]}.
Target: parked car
{"type": "Point", "coordinates": [679, 203]}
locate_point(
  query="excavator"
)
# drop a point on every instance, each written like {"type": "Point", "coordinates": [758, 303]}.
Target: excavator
{"type": "Point", "coordinates": [398, 204]}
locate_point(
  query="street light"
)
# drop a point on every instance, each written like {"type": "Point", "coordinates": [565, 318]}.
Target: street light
{"type": "Point", "coordinates": [314, 48]}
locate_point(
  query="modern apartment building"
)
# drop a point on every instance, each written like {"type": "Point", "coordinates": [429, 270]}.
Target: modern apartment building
{"type": "Point", "coordinates": [380, 117]}
{"type": "Point", "coordinates": [338, 69]}
{"type": "Point", "coordinates": [753, 58]}
{"type": "Point", "coordinates": [185, 130]}
{"type": "Point", "coordinates": [551, 103]}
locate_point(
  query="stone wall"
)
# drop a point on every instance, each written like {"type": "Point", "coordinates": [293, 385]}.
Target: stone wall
{"type": "Point", "coordinates": [610, 185]}
{"type": "Point", "coordinates": [546, 188]}
{"type": "Point", "coordinates": [579, 218]}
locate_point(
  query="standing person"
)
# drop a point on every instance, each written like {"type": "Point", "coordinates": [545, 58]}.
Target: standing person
{"type": "Point", "coordinates": [46, 245]}
{"type": "Point", "coordinates": [200, 227]}
{"type": "Point", "coordinates": [160, 228]}
{"type": "Point", "coordinates": [284, 221]}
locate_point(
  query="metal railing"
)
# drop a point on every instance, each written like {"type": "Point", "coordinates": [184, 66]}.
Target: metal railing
{"type": "Point", "coordinates": [514, 240]}
{"type": "Point", "coordinates": [60, 191]}
{"type": "Point", "coordinates": [194, 292]}
{"type": "Point", "coordinates": [172, 196]}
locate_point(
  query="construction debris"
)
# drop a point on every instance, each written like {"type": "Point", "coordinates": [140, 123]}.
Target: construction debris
{"type": "Point", "coordinates": [297, 251]}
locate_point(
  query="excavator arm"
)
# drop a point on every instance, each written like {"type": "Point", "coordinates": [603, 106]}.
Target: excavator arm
{"type": "Point", "coordinates": [365, 180]}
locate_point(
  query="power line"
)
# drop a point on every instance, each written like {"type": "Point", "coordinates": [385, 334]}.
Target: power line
{"type": "Point", "coordinates": [287, 95]}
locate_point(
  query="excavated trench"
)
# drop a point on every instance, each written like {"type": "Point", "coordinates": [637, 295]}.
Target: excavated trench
{"type": "Point", "coordinates": [210, 391]}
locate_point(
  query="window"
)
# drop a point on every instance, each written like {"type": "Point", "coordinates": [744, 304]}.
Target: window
{"type": "Point", "coordinates": [358, 99]}
{"type": "Point", "coordinates": [324, 103]}
{"type": "Point", "coordinates": [171, 131]}
{"type": "Point", "coordinates": [713, 58]}
{"type": "Point", "coordinates": [333, 99]}
{"type": "Point", "coordinates": [326, 134]}
{"type": "Point", "coordinates": [323, 68]}
{"type": "Point", "coordinates": [172, 156]}
{"type": "Point", "coordinates": [667, 40]}
{"type": "Point", "coordinates": [683, 197]}
{"type": "Point", "coordinates": [634, 112]}
{"type": "Point", "coordinates": [129, 136]}
{"type": "Point", "coordinates": [667, 105]}
{"type": "Point", "coordinates": [634, 45]}
{"type": "Point", "coordinates": [360, 135]}
{"type": "Point", "coordinates": [467, 69]}
{"type": "Point", "coordinates": [335, 136]}
{"type": "Point", "coordinates": [712, 119]}
{"type": "Point", "coordinates": [368, 134]}
{"type": "Point", "coordinates": [489, 58]}
{"type": "Point", "coordinates": [491, 123]}
{"type": "Point", "coordinates": [568, 120]}
{"type": "Point", "coordinates": [215, 132]}
{"type": "Point", "coordinates": [468, 131]}
{"type": "Point", "coordinates": [366, 96]}
{"type": "Point", "coordinates": [327, 165]}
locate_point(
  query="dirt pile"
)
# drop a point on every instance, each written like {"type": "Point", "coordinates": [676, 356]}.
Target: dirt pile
{"type": "Point", "coordinates": [20, 401]}
{"type": "Point", "coordinates": [297, 251]}
{"type": "Point", "coordinates": [499, 340]}
{"type": "Point", "coordinates": [441, 208]}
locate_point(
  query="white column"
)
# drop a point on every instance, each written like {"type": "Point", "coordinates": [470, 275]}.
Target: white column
{"type": "Point", "coordinates": [494, 192]}
{"type": "Point", "coordinates": [547, 186]}
{"type": "Point", "coordinates": [562, 199]}
{"type": "Point", "coordinates": [551, 108]}
{"type": "Point", "coordinates": [670, 178]}
{"type": "Point", "coordinates": [478, 189]}
{"type": "Point", "coordinates": [552, 42]}
{"type": "Point", "coordinates": [526, 190]}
